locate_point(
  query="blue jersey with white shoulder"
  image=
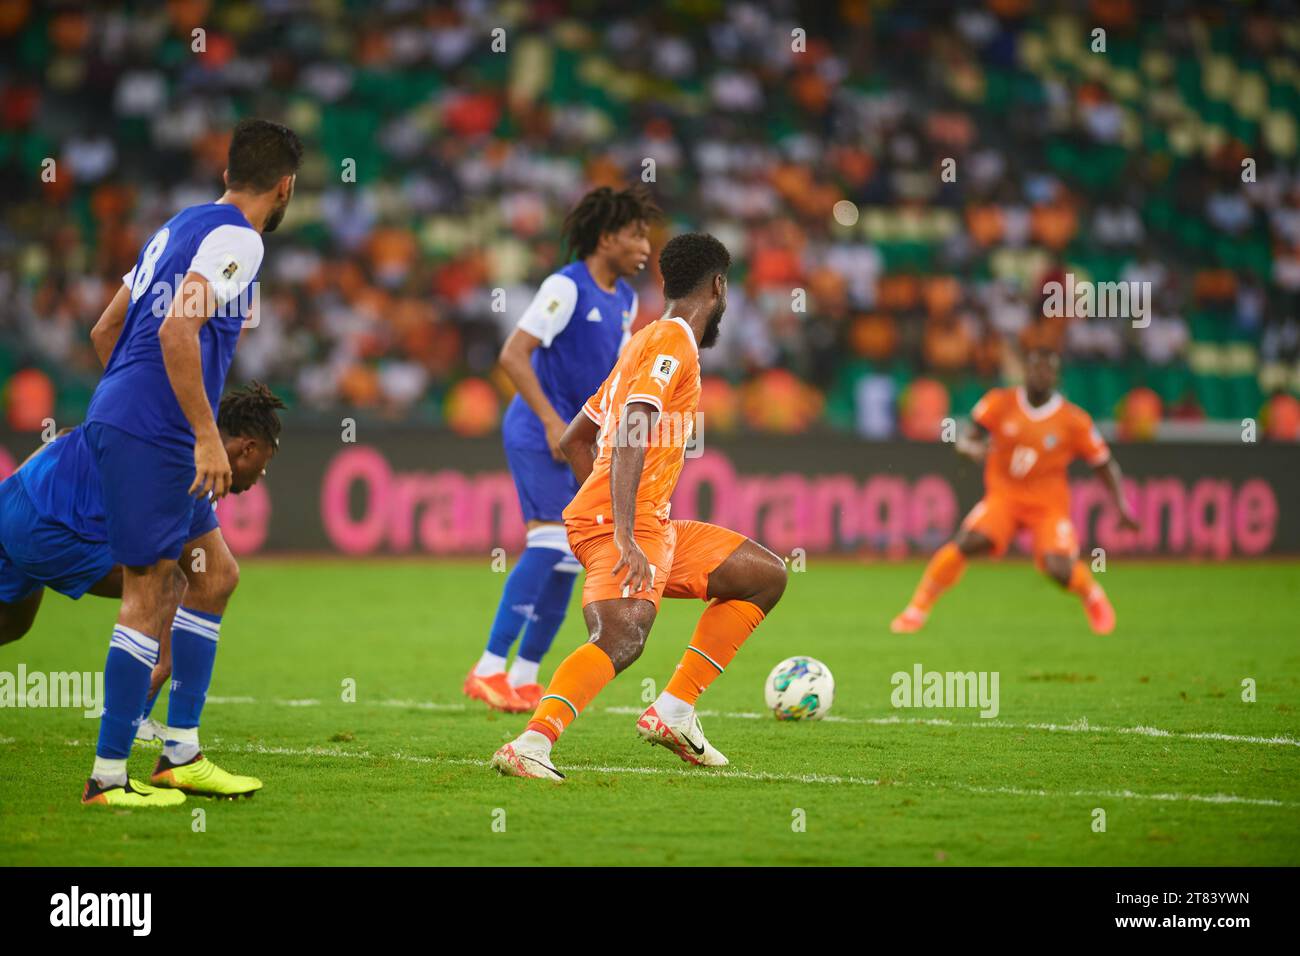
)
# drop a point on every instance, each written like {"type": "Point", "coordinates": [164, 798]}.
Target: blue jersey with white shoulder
{"type": "Point", "coordinates": [134, 395]}
{"type": "Point", "coordinates": [582, 328]}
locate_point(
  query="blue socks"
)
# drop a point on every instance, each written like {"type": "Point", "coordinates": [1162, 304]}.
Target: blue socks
{"type": "Point", "coordinates": [194, 651]}
{"type": "Point", "coordinates": [131, 659]}
{"type": "Point", "coordinates": [519, 600]}
{"type": "Point", "coordinates": [548, 613]}
{"type": "Point", "coordinates": [537, 592]}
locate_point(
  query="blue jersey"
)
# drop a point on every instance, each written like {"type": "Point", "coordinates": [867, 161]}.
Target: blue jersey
{"type": "Point", "coordinates": [135, 395]}
{"type": "Point", "coordinates": [582, 328]}
{"type": "Point", "coordinates": [64, 486]}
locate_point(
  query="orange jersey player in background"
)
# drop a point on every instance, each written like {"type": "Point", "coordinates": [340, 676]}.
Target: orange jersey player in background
{"type": "Point", "coordinates": [1027, 438]}
{"type": "Point", "coordinates": [634, 553]}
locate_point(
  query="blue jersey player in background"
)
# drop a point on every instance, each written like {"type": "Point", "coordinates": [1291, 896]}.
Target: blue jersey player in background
{"type": "Point", "coordinates": [565, 344]}
{"type": "Point", "coordinates": [152, 431]}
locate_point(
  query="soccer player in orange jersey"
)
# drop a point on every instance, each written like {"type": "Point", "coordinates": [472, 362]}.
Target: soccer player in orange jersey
{"type": "Point", "coordinates": [618, 526]}
{"type": "Point", "coordinates": [1027, 438]}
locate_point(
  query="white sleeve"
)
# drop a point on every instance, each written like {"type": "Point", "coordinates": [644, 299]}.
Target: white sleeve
{"type": "Point", "coordinates": [128, 280]}
{"type": "Point", "coordinates": [228, 257]}
{"type": "Point", "coordinates": [551, 309]}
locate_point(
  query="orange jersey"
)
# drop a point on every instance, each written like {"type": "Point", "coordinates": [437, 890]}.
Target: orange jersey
{"type": "Point", "coordinates": [1030, 449]}
{"type": "Point", "coordinates": [661, 367]}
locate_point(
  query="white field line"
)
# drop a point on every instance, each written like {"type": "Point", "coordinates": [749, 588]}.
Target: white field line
{"type": "Point", "coordinates": [1081, 726]}
{"type": "Point", "coordinates": [815, 778]}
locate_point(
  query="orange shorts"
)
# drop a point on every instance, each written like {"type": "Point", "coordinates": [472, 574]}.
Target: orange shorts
{"type": "Point", "coordinates": [682, 555]}
{"type": "Point", "coordinates": [998, 519]}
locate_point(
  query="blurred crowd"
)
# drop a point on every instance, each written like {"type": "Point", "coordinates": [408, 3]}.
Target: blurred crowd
{"type": "Point", "coordinates": [974, 155]}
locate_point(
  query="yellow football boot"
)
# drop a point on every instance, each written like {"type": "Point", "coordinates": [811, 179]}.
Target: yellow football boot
{"type": "Point", "coordinates": [200, 777]}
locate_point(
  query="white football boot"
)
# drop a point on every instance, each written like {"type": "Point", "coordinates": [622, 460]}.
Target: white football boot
{"type": "Point", "coordinates": [524, 758]}
{"type": "Point", "coordinates": [684, 738]}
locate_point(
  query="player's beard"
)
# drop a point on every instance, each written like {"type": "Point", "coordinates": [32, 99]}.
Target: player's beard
{"type": "Point", "coordinates": [713, 327]}
{"type": "Point", "coordinates": [276, 217]}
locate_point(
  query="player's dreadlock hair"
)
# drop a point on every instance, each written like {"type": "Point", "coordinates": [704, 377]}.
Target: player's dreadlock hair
{"type": "Point", "coordinates": [603, 210]}
{"type": "Point", "coordinates": [689, 259]}
{"type": "Point", "coordinates": [249, 412]}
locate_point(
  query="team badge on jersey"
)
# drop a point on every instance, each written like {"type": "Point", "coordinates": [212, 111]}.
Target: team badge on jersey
{"type": "Point", "coordinates": [664, 368]}
{"type": "Point", "coordinates": [230, 267]}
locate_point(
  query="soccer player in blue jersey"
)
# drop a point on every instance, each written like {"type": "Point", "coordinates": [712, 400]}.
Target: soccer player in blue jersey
{"type": "Point", "coordinates": [151, 429]}
{"type": "Point", "coordinates": [561, 350]}
{"type": "Point", "coordinates": [52, 530]}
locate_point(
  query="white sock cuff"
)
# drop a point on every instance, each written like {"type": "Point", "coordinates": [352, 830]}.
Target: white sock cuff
{"type": "Point", "coordinates": [140, 646]}
{"type": "Point", "coordinates": [189, 621]}
{"type": "Point", "coordinates": [551, 536]}
{"type": "Point", "coordinates": [106, 769]}
{"type": "Point", "coordinates": [181, 735]}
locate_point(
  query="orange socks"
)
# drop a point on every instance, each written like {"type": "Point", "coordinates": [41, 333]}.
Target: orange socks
{"type": "Point", "coordinates": [723, 627]}
{"type": "Point", "coordinates": [943, 571]}
{"type": "Point", "coordinates": [1083, 584]}
{"type": "Point", "coordinates": [578, 679]}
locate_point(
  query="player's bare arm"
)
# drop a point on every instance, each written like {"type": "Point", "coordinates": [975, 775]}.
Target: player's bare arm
{"type": "Point", "coordinates": [516, 362]}
{"type": "Point", "coordinates": [579, 445]}
{"type": "Point", "coordinates": [973, 442]}
{"type": "Point", "coordinates": [105, 332]}
{"type": "Point", "coordinates": [1111, 476]}
{"type": "Point", "coordinates": [178, 335]}
{"type": "Point", "coordinates": [626, 463]}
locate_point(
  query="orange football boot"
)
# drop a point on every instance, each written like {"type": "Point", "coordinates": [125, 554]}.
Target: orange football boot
{"type": "Point", "coordinates": [910, 621]}
{"type": "Point", "coordinates": [495, 691]}
{"type": "Point", "coordinates": [1101, 615]}
{"type": "Point", "coordinates": [530, 694]}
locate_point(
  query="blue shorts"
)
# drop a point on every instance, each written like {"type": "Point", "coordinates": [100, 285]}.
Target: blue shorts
{"type": "Point", "coordinates": [545, 486]}
{"type": "Point", "coordinates": [148, 509]}
{"type": "Point", "coordinates": [36, 552]}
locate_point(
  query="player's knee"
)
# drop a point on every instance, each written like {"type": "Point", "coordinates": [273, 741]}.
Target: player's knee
{"type": "Point", "coordinates": [772, 582]}
{"type": "Point", "coordinates": [626, 648]}
{"type": "Point", "coordinates": [971, 543]}
{"type": "Point", "coordinates": [1058, 568]}
{"type": "Point", "coordinates": [219, 581]}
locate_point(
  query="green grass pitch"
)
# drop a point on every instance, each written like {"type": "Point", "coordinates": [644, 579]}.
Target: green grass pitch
{"type": "Point", "coordinates": [1148, 725]}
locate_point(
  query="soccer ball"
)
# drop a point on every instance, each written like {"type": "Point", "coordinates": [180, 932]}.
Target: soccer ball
{"type": "Point", "coordinates": [800, 688]}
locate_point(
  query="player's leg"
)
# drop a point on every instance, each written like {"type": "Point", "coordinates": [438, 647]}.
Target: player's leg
{"type": "Point", "coordinates": [548, 615]}
{"type": "Point", "coordinates": [17, 617]}
{"type": "Point", "coordinates": [153, 731]}
{"type": "Point", "coordinates": [132, 654]}
{"type": "Point", "coordinates": [1057, 550]}
{"type": "Point", "coordinates": [211, 575]}
{"type": "Point", "coordinates": [743, 581]}
{"type": "Point", "coordinates": [619, 624]}
{"type": "Point", "coordinates": [986, 530]}
{"type": "Point", "coordinates": [545, 487]}
{"type": "Point", "coordinates": [148, 510]}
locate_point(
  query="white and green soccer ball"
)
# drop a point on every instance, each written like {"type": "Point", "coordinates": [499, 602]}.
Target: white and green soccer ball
{"type": "Point", "coordinates": [800, 688]}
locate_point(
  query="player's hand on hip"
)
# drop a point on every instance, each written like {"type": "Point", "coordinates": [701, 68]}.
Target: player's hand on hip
{"type": "Point", "coordinates": [211, 467]}
{"type": "Point", "coordinates": [632, 560]}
